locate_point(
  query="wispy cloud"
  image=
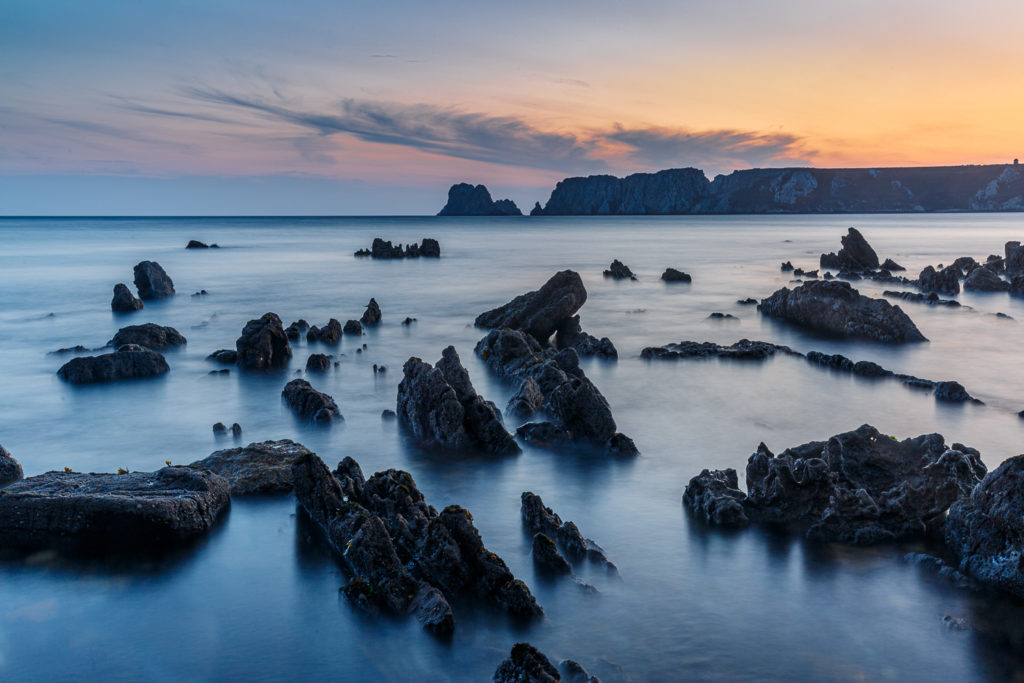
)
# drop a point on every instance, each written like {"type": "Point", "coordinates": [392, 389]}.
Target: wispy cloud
{"type": "Point", "coordinates": [662, 147]}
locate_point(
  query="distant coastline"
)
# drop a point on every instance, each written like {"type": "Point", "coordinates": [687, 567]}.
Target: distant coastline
{"type": "Point", "coordinates": [687, 191]}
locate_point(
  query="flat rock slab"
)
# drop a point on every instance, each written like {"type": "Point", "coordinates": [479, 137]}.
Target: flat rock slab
{"type": "Point", "coordinates": [263, 467]}
{"type": "Point", "coordinates": [111, 511]}
{"type": "Point", "coordinates": [128, 362]}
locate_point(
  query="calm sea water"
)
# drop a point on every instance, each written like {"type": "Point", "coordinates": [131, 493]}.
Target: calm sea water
{"type": "Point", "coordinates": [258, 598]}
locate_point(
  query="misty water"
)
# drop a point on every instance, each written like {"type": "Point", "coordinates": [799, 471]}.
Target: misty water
{"type": "Point", "coordinates": [258, 599]}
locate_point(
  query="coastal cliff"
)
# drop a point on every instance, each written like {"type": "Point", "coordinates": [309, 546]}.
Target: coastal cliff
{"type": "Point", "coordinates": [468, 200]}
{"type": "Point", "coordinates": [793, 190]}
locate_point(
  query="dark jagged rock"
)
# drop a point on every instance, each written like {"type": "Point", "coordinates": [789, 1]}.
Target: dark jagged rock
{"type": "Point", "coordinates": [124, 301]}
{"type": "Point", "coordinates": [570, 334]}
{"type": "Point", "coordinates": [10, 469]}
{"type": "Point", "coordinates": [263, 344]}
{"type": "Point", "coordinates": [526, 664]}
{"type": "Point", "coordinates": [546, 556]}
{"type": "Point", "coordinates": [540, 312]}
{"type": "Point", "coordinates": [749, 301]}
{"type": "Point", "coordinates": [226, 356]}
{"type": "Point", "coordinates": [837, 308]}
{"type": "Point", "coordinates": [372, 314]}
{"type": "Point", "coordinates": [128, 362]}
{"type": "Point", "coordinates": [1014, 259]}
{"type": "Point", "coordinates": [466, 200]}
{"type": "Point", "coordinates": [714, 497]}
{"type": "Point", "coordinates": [263, 467]}
{"type": "Point", "coordinates": [837, 361]}
{"type": "Point", "coordinates": [855, 255]}
{"type": "Point", "coordinates": [945, 281]}
{"type": "Point", "coordinates": [966, 265]}
{"type": "Point", "coordinates": [353, 327]}
{"type": "Point", "coordinates": [931, 299]}
{"type": "Point", "coordinates": [542, 520]}
{"type": "Point", "coordinates": [152, 282]}
{"type": "Point", "coordinates": [952, 391]}
{"type": "Point", "coordinates": [111, 511]}
{"type": "Point", "coordinates": [619, 271]}
{"type": "Point", "coordinates": [860, 487]}
{"type": "Point", "coordinates": [527, 400]}
{"type": "Point", "coordinates": [155, 337]}
{"type": "Point", "coordinates": [809, 274]}
{"type": "Point", "coordinates": [673, 275]}
{"type": "Point", "coordinates": [310, 404]}
{"type": "Point", "coordinates": [744, 349]}
{"type": "Point", "coordinates": [295, 330]}
{"type": "Point", "coordinates": [318, 362]}
{"type": "Point", "coordinates": [544, 434]}
{"type": "Point", "coordinates": [892, 266]}
{"type": "Point", "coordinates": [718, 315]}
{"type": "Point", "coordinates": [439, 406]}
{"type": "Point", "coordinates": [429, 248]}
{"type": "Point", "coordinates": [196, 244]}
{"type": "Point", "coordinates": [986, 528]}
{"type": "Point", "coordinates": [984, 280]}
{"type": "Point", "coordinates": [328, 334]}
{"type": "Point", "coordinates": [381, 249]}
{"type": "Point", "coordinates": [77, 348]}
{"type": "Point", "coordinates": [787, 267]}
{"type": "Point", "coordinates": [574, 672]}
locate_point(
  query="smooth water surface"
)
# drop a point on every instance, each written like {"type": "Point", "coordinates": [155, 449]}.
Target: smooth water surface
{"type": "Point", "coordinates": [258, 598]}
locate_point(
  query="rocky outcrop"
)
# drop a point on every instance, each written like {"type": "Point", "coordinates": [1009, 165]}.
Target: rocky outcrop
{"type": "Point", "coordinates": [986, 528]}
{"type": "Point", "coordinates": [836, 308]}
{"type": "Point", "coordinates": [353, 327]}
{"type": "Point", "coordinates": [440, 408]}
{"type": "Point", "coordinates": [295, 330]}
{"type": "Point", "coordinates": [372, 314]}
{"type": "Point", "coordinates": [619, 271]}
{"type": "Point", "coordinates": [856, 254]}
{"type": "Point", "coordinates": [318, 362]}
{"type": "Point", "coordinates": [155, 337]}
{"type": "Point", "coordinates": [310, 404]}
{"type": "Point", "coordinates": [932, 299]}
{"type": "Point", "coordinates": [404, 556]}
{"type": "Point", "coordinates": [526, 664]}
{"type": "Point", "coordinates": [666, 192]}
{"type": "Point", "coordinates": [263, 467]}
{"type": "Point", "coordinates": [196, 244]}
{"type": "Point", "coordinates": [542, 311]}
{"type": "Point", "coordinates": [263, 344]}
{"type": "Point", "coordinates": [328, 334]}
{"type": "Point", "coordinates": [744, 349]}
{"type": "Point", "coordinates": [152, 282]}
{"type": "Point", "coordinates": [381, 249]}
{"type": "Point", "coordinates": [526, 401]}
{"type": "Point", "coordinates": [891, 266]}
{"type": "Point", "coordinates": [124, 301]}
{"type": "Point", "coordinates": [945, 281]}
{"type": "Point", "coordinates": [10, 469]}
{"type": "Point", "coordinates": [466, 200]}
{"type": "Point", "coordinates": [543, 521]}
{"type": "Point", "coordinates": [128, 362]}
{"type": "Point", "coordinates": [673, 275]}
{"type": "Point", "coordinates": [570, 335]}
{"type": "Point", "coordinates": [123, 512]}
{"type": "Point", "coordinates": [860, 487]}
{"type": "Point", "coordinates": [984, 280]}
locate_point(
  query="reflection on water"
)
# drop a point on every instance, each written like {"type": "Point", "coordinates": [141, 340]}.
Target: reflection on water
{"type": "Point", "coordinates": [258, 598]}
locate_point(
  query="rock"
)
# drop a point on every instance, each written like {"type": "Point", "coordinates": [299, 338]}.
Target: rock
{"type": "Point", "coordinates": [10, 469]}
{"type": "Point", "coordinates": [744, 349]}
{"type": "Point", "coordinates": [539, 313]}
{"type": "Point", "coordinates": [855, 255]}
{"type": "Point", "coordinates": [836, 308]}
{"type": "Point", "coordinates": [945, 281]}
{"type": "Point", "coordinates": [571, 335]}
{"type": "Point", "coordinates": [152, 282]}
{"type": "Point", "coordinates": [226, 356]}
{"type": "Point", "coordinates": [77, 348]}
{"type": "Point", "coordinates": [263, 344]}
{"type": "Point", "coordinates": [151, 336]}
{"type": "Point", "coordinates": [263, 467]}
{"type": "Point", "coordinates": [466, 200]}
{"type": "Point", "coordinates": [936, 566]}
{"type": "Point", "coordinates": [574, 673]}
{"type": "Point", "coordinates": [388, 414]}
{"type": "Point", "coordinates": [372, 315]}
{"type": "Point", "coordinates": [295, 330]}
{"type": "Point", "coordinates": [892, 266]}
{"type": "Point", "coordinates": [384, 250]}
{"type": "Point", "coordinates": [527, 400]}
{"type": "Point", "coordinates": [310, 404]}
{"type": "Point", "coordinates": [619, 271]}
{"type": "Point", "coordinates": [408, 321]}
{"type": "Point", "coordinates": [541, 520]}
{"type": "Point", "coordinates": [439, 406]}
{"type": "Point", "coordinates": [809, 274]}
{"type": "Point", "coordinates": [930, 299]}
{"type": "Point", "coordinates": [236, 429]}
{"type": "Point", "coordinates": [714, 497]}
{"type": "Point", "coordinates": [353, 327]}
{"type": "Point", "coordinates": [984, 280]}
{"type": "Point", "coordinates": [718, 315]}
{"type": "Point", "coordinates": [429, 248]}
{"type": "Point", "coordinates": [544, 434]}
{"type": "Point", "coordinates": [673, 275]}
{"type": "Point", "coordinates": [985, 529]}
{"type": "Point", "coordinates": [787, 267]}
{"type": "Point", "coordinates": [953, 391]}
{"type": "Point", "coordinates": [547, 557]}
{"type": "Point", "coordinates": [433, 611]}
{"type": "Point", "coordinates": [380, 249]}
{"type": "Point", "coordinates": [526, 664]}
{"type": "Point", "coordinates": [1014, 261]}
{"type": "Point", "coordinates": [128, 362]}
{"type": "Point", "coordinates": [220, 428]}
{"type": "Point", "coordinates": [749, 301]}
{"type": "Point", "coordinates": [318, 362]}
{"type": "Point", "coordinates": [124, 301]}
{"type": "Point", "coordinates": [111, 511]}
{"type": "Point", "coordinates": [196, 244]}
{"type": "Point", "coordinates": [328, 334]}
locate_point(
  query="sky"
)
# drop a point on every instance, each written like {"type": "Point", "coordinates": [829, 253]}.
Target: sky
{"type": "Point", "coordinates": [260, 107]}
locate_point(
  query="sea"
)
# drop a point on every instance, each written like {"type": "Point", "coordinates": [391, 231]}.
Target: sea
{"type": "Point", "coordinates": [258, 598]}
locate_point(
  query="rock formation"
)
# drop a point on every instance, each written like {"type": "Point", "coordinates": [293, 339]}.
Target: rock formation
{"type": "Point", "coordinates": [619, 271]}
{"type": "Point", "coordinates": [264, 467]}
{"type": "Point", "coordinates": [310, 404]}
{"type": "Point", "coordinates": [673, 275]}
{"type": "Point", "coordinates": [10, 469]}
{"type": "Point", "coordinates": [381, 249]}
{"type": "Point", "coordinates": [372, 314]}
{"type": "Point", "coordinates": [128, 362]}
{"type": "Point", "coordinates": [540, 312]}
{"type": "Point", "coordinates": [466, 200]}
{"type": "Point", "coordinates": [152, 282]}
{"type": "Point", "coordinates": [263, 344]}
{"type": "Point", "coordinates": [328, 334]}
{"type": "Point", "coordinates": [124, 301]}
{"type": "Point", "coordinates": [856, 254]}
{"type": "Point", "coordinates": [150, 335]}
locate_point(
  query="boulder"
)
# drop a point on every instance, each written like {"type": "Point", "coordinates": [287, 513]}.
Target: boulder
{"type": "Point", "coordinates": [318, 362]}
{"type": "Point", "coordinates": [571, 335]}
{"type": "Point", "coordinates": [310, 404]}
{"type": "Point", "coordinates": [892, 266]}
{"type": "Point", "coordinates": [673, 275]}
{"type": "Point", "coordinates": [196, 244]}
{"type": "Point", "coordinates": [384, 250]}
{"type": "Point", "coordinates": [953, 391]}
{"type": "Point", "coordinates": [295, 330]}
{"type": "Point", "coordinates": [714, 497]}
{"type": "Point", "coordinates": [353, 327]}
{"type": "Point", "coordinates": [226, 356]}
{"type": "Point", "coordinates": [855, 255]}
{"type": "Point", "coordinates": [619, 271]}
{"type": "Point", "coordinates": [128, 362]}
{"type": "Point", "coordinates": [124, 301]}
{"type": "Point", "coordinates": [540, 312]}
{"type": "Point", "coordinates": [985, 529]}
{"type": "Point", "coordinates": [372, 315]}
{"type": "Point", "coordinates": [945, 281]}
{"type": "Point", "coordinates": [150, 335]}
{"type": "Point", "coordinates": [836, 308]}
{"type": "Point", "coordinates": [429, 248]}
{"type": "Point", "coordinates": [263, 344]}
{"type": "Point", "coordinates": [121, 512]}
{"type": "Point", "coordinates": [328, 334]}
{"type": "Point", "coordinates": [152, 282]}
{"type": "Point", "coordinates": [263, 467]}
{"type": "Point", "coordinates": [526, 664]}
{"type": "Point", "coordinates": [10, 469]}
{"type": "Point", "coordinates": [984, 280]}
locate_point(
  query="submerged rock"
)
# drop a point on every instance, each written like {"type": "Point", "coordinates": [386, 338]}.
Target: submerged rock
{"type": "Point", "coordinates": [128, 362]}
{"type": "Point", "coordinates": [544, 434]}
{"type": "Point", "coordinates": [295, 330]}
{"type": "Point", "coordinates": [837, 308]}
{"type": "Point", "coordinates": [372, 314]}
{"type": "Point", "coordinates": [152, 282]}
{"type": "Point", "coordinates": [226, 356]}
{"type": "Point", "coordinates": [124, 301]}
{"type": "Point", "coordinates": [540, 313]}
{"type": "Point", "coordinates": [381, 249]}
{"type": "Point", "coordinates": [155, 337]}
{"type": "Point", "coordinates": [744, 349]}
{"type": "Point", "coordinates": [263, 467]}
{"type": "Point", "coordinates": [526, 664]}
{"type": "Point", "coordinates": [10, 469]}
{"type": "Point", "coordinates": [263, 344]}
{"type": "Point", "coordinates": [931, 299]}
{"type": "Point", "coordinates": [310, 404]}
{"type": "Point", "coordinates": [619, 271]}
{"type": "Point", "coordinates": [111, 511]}
{"type": "Point", "coordinates": [673, 275]}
